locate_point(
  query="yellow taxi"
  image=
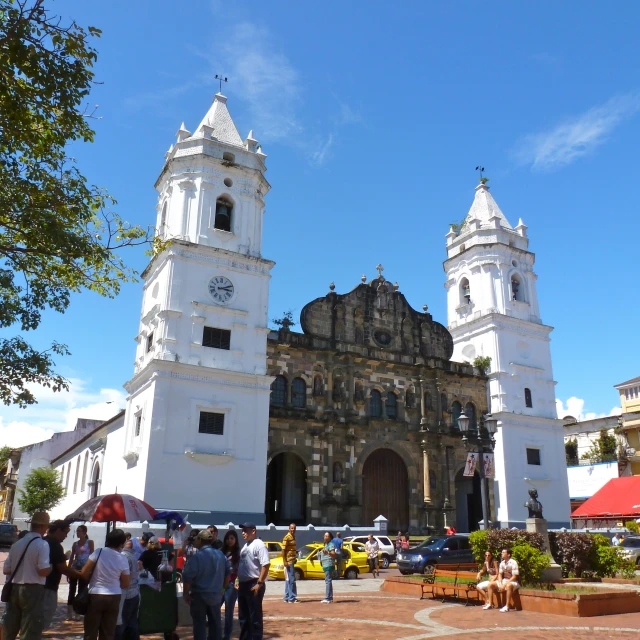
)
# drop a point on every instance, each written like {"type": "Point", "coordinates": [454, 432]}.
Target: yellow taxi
{"type": "Point", "coordinates": [354, 562]}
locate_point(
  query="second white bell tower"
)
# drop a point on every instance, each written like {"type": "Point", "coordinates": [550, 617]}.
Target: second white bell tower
{"type": "Point", "coordinates": [493, 311]}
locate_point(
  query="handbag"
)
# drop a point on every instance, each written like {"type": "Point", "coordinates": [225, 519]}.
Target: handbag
{"type": "Point", "coordinates": [8, 585]}
{"type": "Point", "coordinates": [81, 601]}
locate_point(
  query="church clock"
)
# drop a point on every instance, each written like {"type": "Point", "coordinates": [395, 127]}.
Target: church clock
{"type": "Point", "coordinates": [221, 289]}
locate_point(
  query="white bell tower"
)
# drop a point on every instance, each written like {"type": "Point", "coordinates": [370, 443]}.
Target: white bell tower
{"type": "Point", "coordinates": [493, 311]}
{"type": "Point", "coordinates": [196, 426]}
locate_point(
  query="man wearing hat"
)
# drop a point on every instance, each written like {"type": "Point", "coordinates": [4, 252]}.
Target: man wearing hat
{"type": "Point", "coordinates": [252, 573]}
{"type": "Point", "coordinates": [205, 578]}
{"type": "Point", "coordinates": [27, 566]}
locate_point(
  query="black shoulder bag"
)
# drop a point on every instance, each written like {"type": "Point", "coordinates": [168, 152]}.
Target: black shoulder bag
{"type": "Point", "coordinates": [8, 585]}
{"type": "Point", "coordinates": [81, 601]}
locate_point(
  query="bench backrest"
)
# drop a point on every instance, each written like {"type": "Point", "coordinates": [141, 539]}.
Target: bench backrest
{"type": "Point", "coordinates": [461, 566]}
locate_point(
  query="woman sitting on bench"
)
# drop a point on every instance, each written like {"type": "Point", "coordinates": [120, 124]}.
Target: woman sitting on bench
{"type": "Point", "coordinates": [490, 567]}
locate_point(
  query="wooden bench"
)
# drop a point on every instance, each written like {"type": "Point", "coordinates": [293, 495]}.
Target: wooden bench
{"type": "Point", "coordinates": [451, 582]}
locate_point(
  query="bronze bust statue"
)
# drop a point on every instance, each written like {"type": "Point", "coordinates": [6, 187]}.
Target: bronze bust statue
{"type": "Point", "coordinates": [534, 506]}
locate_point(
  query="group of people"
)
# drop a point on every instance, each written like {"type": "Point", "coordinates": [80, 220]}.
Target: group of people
{"type": "Point", "coordinates": [501, 581]}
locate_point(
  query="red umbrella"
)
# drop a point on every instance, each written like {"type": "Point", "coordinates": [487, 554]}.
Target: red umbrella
{"type": "Point", "coordinates": [115, 507]}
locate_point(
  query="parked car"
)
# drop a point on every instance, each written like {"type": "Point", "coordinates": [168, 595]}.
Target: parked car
{"type": "Point", "coordinates": [354, 562]}
{"type": "Point", "coordinates": [630, 547]}
{"type": "Point", "coordinates": [435, 549]}
{"type": "Point", "coordinates": [8, 534]}
{"type": "Point", "coordinates": [274, 549]}
{"type": "Point", "coordinates": [387, 549]}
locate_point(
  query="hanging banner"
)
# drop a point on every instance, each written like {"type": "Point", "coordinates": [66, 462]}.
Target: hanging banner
{"type": "Point", "coordinates": [487, 461]}
{"type": "Point", "coordinates": [472, 463]}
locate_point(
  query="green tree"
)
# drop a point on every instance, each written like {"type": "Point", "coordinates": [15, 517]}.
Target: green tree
{"type": "Point", "coordinates": [43, 490]}
{"type": "Point", "coordinates": [5, 454]}
{"type": "Point", "coordinates": [604, 449]}
{"type": "Point", "coordinates": [58, 234]}
{"type": "Point", "coordinates": [571, 451]}
{"type": "Point", "coordinates": [286, 322]}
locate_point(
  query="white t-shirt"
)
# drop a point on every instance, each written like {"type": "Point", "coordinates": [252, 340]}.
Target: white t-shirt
{"type": "Point", "coordinates": [36, 557]}
{"type": "Point", "coordinates": [253, 556]}
{"type": "Point", "coordinates": [110, 565]}
{"type": "Point", "coordinates": [508, 569]}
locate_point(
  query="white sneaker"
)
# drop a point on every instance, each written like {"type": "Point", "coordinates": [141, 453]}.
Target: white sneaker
{"type": "Point", "coordinates": [325, 601]}
{"type": "Point", "coordinates": [504, 609]}
{"type": "Point", "coordinates": [487, 606]}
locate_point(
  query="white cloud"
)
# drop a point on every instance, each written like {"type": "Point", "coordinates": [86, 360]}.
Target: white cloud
{"type": "Point", "coordinates": [57, 412]}
{"type": "Point", "coordinates": [577, 136]}
{"type": "Point", "coordinates": [320, 155]}
{"type": "Point", "coordinates": [575, 407]}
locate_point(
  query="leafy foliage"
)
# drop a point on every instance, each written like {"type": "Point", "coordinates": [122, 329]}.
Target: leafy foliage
{"type": "Point", "coordinates": [458, 226]}
{"type": "Point", "coordinates": [571, 451]}
{"type": "Point", "coordinates": [43, 490]}
{"type": "Point", "coordinates": [604, 449]}
{"type": "Point", "coordinates": [286, 322]}
{"type": "Point", "coordinates": [531, 562]}
{"type": "Point", "coordinates": [633, 526]}
{"type": "Point", "coordinates": [58, 235]}
{"type": "Point", "coordinates": [5, 454]}
{"type": "Point", "coordinates": [482, 363]}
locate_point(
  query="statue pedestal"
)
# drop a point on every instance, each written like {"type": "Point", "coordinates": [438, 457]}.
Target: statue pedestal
{"type": "Point", "coordinates": [539, 525]}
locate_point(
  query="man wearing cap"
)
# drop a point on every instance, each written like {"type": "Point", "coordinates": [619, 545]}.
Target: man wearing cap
{"type": "Point", "coordinates": [58, 531]}
{"type": "Point", "coordinates": [25, 609]}
{"type": "Point", "coordinates": [205, 578]}
{"type": "Point", "coordinates": [252, 573]}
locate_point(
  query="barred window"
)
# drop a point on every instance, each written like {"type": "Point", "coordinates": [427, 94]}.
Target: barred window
{"type": "Point", "coordinates": [299, 393]}
{"type": "Point", "coordinates": [211, 423]}
{"type": "Point", "coordinates": [279, 392]}
{"type": "Point", "coordinates": [216, 338]}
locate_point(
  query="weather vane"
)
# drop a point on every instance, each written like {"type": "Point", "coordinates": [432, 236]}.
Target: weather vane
{"type": "Point", "coordinates": [478, 168]}
{"type": "Point", "coordinates": [221, 79]}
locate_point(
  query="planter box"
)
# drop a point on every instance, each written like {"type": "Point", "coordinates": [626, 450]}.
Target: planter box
{"type": "Point", "coordinates": [603, 603]}
{"type": "Point", "coordinates": [621, 581]}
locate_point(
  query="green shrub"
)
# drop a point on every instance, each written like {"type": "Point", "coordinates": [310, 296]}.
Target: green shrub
{"type": "Point", "coordinates": [573, 551]}
{"type": "Point", "coordinates": [498, 539]}
{"type": "Point", "coordinates": [479, 544]}
{"type": "Point", "coordinates": [633, 526]}
{"type": "Point", "coordinates": [627, 568]}
{"type": "Point", "coordinates": [531, 562]}
{"type": "Point", "coordinates": [606, 561]}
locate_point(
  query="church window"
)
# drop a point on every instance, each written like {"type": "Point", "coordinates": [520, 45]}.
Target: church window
{"type": "Point", "coordinates": [299, 393]}
{"type": "Point", "coordinates": [163, 220]}
{"type": "Point", "coordinates": [66, 484]}
{"type": "Point", "coordinates": [516, 289]}
{"type": "Point", "coordinates": [465, 291]}
{"type": "Point", "coordinates": [470, 411]}
{"type": "Point", "coordinates": [527, 398]}
{"type": "Point", "coordinates": [216, 338]}
{"type": "Point", "coordinates": [75, 478]}
{"type": "Point", "coordinates": [375, 404]}
{"type": "Point", "coordinates": [279, 392]}
{"type": "Point", "coordinates": [444, 405]}
{"type": "Point", "coordinates": [224, 209]}
{"type": "Point", "coordinates": [84, 471]}
{"type": "Point", "coordinates": [391, 406]}
{"type": "Point", "coordinates": [456, 412]}
{"type": "Point", "coordinates": [533, 456]}
{"type": "Point", "coordinates": [150, 342]}
{"type": "Point", "coordinates": [138, 425]}
{"type": "Point", "coordinates": [228, 157]}
{"type": "Point", "coordinates": [211, 423]}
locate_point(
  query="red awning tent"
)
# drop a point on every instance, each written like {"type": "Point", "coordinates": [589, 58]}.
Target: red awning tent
{"type": "Point", "coordinates": [619, 498]}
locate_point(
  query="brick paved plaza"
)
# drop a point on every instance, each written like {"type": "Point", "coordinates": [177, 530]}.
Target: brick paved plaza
{"type": "Point", "coordinates": [376, 616]}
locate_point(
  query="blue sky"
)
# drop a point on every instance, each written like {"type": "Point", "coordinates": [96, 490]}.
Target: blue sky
{"type": "Point", "coordinates": [373, 116]}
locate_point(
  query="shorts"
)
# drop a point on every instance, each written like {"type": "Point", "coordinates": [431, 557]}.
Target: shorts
{"type": "Point", "coordinates": [373, 564]}
{"type": "Point", "coordinates": [483, 585]}
{"type": "Point", "coordinates": [515, 585]}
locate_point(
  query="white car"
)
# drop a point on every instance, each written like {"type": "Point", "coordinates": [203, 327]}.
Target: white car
{"type": "Point", "coordinates": [630, 548]}
{"type": "Point", "coordinates": [387, 552]}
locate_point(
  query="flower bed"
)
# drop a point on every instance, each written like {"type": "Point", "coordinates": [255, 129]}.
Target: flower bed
{"type": "Point", "coordinates": [579, 604]}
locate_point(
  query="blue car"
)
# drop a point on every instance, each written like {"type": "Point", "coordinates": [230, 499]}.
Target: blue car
{"type": "Point", "coordinates": [435, 549]}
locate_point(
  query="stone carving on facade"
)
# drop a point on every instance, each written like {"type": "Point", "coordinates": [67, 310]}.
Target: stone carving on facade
{"type": "Point", "coordinates": [318, 386]}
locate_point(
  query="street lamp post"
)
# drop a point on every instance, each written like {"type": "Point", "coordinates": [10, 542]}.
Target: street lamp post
{"type": "Point", "coordinates": [490, 424]}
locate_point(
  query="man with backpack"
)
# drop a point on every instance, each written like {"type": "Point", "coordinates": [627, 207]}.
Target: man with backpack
{"type": "Point", "coordinates": [27, 567]}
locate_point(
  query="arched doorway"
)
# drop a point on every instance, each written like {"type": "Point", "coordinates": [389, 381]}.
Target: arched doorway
{"type": "Point", "coordinates": [468, 502]}
{"type": "Point", "coordinates": [95, 481]}
{"type": "Point", "coordinates": [385, 489]}
{"type": "Point", "coordinates": [286, 495]}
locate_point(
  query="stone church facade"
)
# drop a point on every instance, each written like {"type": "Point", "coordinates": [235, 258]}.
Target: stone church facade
{"type": "Point", "coordinates": [361, 415]}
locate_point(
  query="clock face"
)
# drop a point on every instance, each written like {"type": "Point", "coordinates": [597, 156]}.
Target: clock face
{"type": "Point", "coordinates": [221, 289]}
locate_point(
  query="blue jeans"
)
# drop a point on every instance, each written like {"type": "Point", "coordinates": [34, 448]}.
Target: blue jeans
{"type": "Point", "coordinates": [230, 597]}
{"type": "Point", "coordinates": [328, 584]}
{"type": "Point", "coordinates": [205, 613]}
{"type": "Point", "coordinates": [250, 611]}
{"type": "Point", "coordinates": [129, 629]}
{"type": "Point", "coordinates": [290, 586]}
